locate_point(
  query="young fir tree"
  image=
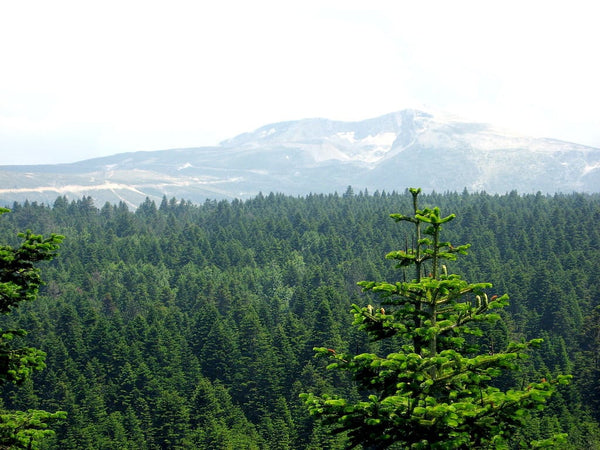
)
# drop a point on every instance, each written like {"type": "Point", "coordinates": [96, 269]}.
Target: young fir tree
{"type": "Point", "coordinates": [436, 390]}
{"type": "Point", "coordinates": [20, 281]}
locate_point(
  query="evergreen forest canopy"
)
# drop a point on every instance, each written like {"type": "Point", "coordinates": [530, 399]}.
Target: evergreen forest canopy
{"type": "Point", "coordinates": [193, 326]}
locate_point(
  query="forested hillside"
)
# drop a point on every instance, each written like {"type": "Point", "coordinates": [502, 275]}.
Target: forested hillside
{"type": "Point", "coordinates": [193, 326]}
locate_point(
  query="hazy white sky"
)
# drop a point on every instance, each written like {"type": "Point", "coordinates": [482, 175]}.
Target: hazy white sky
{"type": "Point", "coordinates": [81, 79]}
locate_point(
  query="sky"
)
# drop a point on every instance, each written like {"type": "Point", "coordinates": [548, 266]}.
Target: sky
{"type": "Point", "coordinates": [83, 79]}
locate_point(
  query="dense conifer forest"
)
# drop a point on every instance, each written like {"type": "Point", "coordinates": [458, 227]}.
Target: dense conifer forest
{"type": "Point", "coordinates": [193, 326]}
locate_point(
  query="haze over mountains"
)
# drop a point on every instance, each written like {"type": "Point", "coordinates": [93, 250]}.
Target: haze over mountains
{"type": "Point", "coordinates": [391, 152]}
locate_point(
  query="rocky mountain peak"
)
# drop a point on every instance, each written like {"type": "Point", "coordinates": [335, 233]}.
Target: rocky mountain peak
{"type": "Point", "coordinates": [391, 152]}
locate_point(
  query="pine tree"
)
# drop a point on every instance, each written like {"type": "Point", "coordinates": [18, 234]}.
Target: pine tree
{"type": "Point", "coordinates": [436, 389]}
{"type": "Point", "coordinates": [19, 281]}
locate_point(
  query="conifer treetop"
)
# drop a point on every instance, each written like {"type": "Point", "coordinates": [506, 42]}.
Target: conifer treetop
{"type": "Point", "coordinates": [436, 390]}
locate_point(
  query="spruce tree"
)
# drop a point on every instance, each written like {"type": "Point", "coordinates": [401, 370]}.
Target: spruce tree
{"type": "Point", "coordinates": [436, 390]}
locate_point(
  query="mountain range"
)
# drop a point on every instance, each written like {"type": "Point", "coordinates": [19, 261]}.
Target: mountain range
{"type": "Point", "coordinates": [392, 152]}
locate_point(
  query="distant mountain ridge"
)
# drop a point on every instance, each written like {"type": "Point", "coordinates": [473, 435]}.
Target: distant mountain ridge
{"type": "Point", "coordinates": [391, 152]}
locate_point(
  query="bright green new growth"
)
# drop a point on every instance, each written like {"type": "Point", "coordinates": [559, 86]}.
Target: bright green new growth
{"type": "Point", "coordinates": [20, 281]}
{"type": "Point", "coordinates": [436, 390]}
